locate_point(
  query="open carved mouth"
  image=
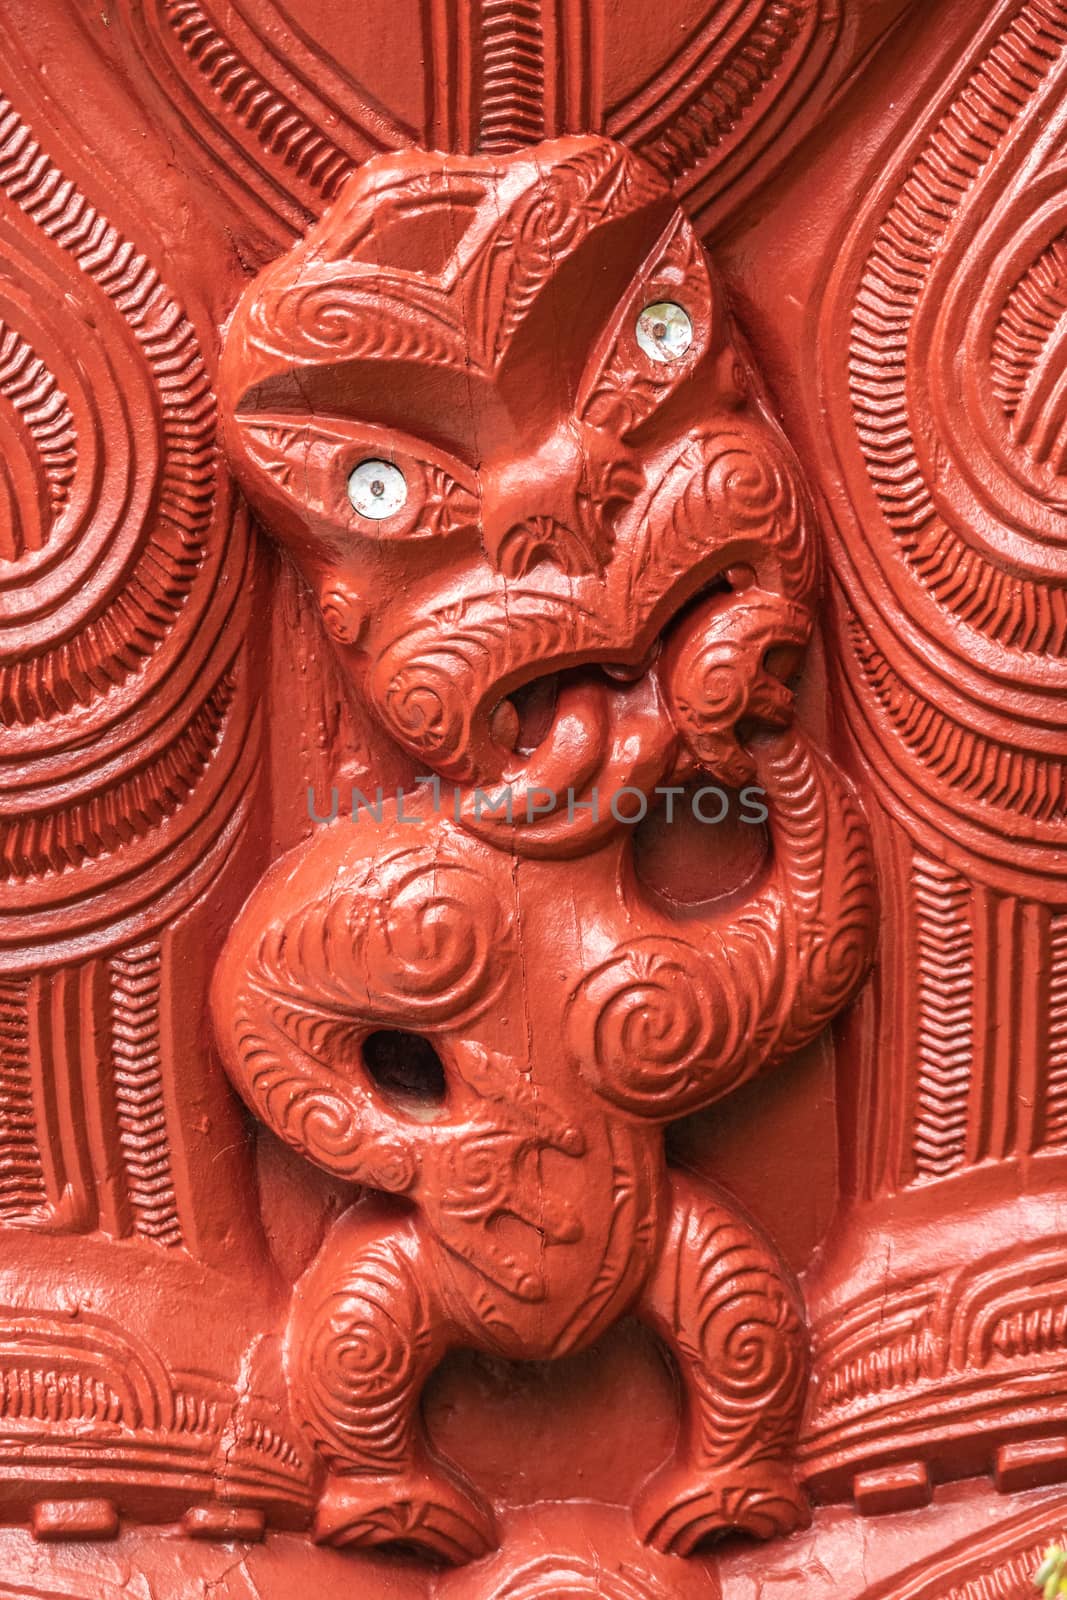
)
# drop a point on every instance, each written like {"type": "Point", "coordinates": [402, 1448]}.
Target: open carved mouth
{"type": "Point", "coordinates": [607, 733]}
{"type": "Point", "coordinates": [526, 719]}
{"type": "Point", "coordinates": [521, 720]}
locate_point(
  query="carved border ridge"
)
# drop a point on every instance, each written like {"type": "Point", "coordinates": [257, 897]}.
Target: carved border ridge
{"type": "Point", "coordinates": [941, 1365]}
{"type": "Point", "coordinates": [22, 1184]}
{"type": "Point", "coordinates": [916, 762]}
{"type": "Point", "coordinates": [716, 112]}
{"type": "Point", "coordinates": [1015, 610]}
{"type": "Point", "coordinates": [33, 392]}
{"type": "Point", "coordinates": [1027, 785]}
{"type": "Point", "coordinates": [128, 598]}
{"type": "Point", "coordinates": [996, 1565]}
{"type": "Point", "coordinates": [688, 140]}
{"type": "Point", "coordinates": [173, 1439]}
{"type": "Point", "coordinates": [285, 131]}
{"type": "Point", "coordinates": [187, 414]}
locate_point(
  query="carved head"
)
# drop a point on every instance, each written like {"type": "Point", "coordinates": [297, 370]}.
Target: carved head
{"type": "Point", "coordinates": [492, 408]}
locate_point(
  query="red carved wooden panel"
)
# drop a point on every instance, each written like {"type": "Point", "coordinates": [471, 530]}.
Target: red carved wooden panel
{"type": "Point", "coordinates": [533, 798]}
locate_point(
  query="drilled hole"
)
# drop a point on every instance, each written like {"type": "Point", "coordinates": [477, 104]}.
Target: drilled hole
{"type": "Point", "coordinates": [405, 1067]}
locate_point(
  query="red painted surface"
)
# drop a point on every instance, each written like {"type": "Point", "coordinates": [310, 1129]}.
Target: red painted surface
{"type": "Point", "coordinates": [526, 1186]}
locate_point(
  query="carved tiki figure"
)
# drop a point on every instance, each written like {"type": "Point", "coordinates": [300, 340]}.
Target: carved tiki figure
{"type": "Point", "coordinates": [493, 409]}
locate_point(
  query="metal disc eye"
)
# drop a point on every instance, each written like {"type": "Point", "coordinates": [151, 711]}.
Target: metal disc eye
{"type": "Point", "coordinates": [377, 489]}
{"type": "Point", "coordinates": [664, 331]}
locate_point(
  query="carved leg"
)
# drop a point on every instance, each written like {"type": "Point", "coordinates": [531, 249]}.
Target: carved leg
{"type": "Point", "coordinates": [365, 1332]}
{"type": "Point", "coordinates": [728, 1313]}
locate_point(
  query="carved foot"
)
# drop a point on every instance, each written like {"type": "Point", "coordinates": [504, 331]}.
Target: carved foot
{"type": "Point", "coordinates": [685, 1504]}
{"type": "Point", "coordinates": [419, 1507]}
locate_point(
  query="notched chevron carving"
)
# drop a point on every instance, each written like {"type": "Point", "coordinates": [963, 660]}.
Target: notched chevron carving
{"type": "Point", "coordinates": [945, 981]}
{"type": "Point", "coordinates": [57, 840]}
{"type": "Point", "coordinates": [1021, 782]}
{"type": "Point", "coordinates": [43, 414]}
{"type": "Point", "coordinates": [111, 647]}
{"type": "Point", "coordinates": [275, 123]}
{"type": "Point", "coordinates": [720, 104]}
{"type": "Point", "coordinates": [1029, 357]}
{"type": "Point", "coordinates": [1055, 1128]}
{"type": "Point", "coordinates": [513, 74]}
{"type": "Point", "coordinates": [22, 1186]}
{"type": "Point", "coordinates": [139, 1100]}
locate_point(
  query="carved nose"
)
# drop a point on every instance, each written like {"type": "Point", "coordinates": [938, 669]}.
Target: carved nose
{"type": "Point", "coordinates": [541, 507]}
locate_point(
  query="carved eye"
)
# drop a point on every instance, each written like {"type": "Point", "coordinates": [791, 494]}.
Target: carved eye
{"type": "Point", "coordinates": [664, 331]}
{"type": "Point", "coordinates": [377, 489]}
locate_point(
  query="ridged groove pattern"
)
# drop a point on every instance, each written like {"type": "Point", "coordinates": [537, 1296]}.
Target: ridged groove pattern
{"type": "Point", "coordinates": [44, 1394]}
{"type": "Point", "coordinates": [945, 1016]}
{"type": "Point", "coordinates": [1028, 366]}
{"type": "Point", "coordinates": [59, 840]}
{"type": "Point", "coordinates": [720, 104]}
{"type": "Point", "coordinates": [1056, 1071]}
{"type": "Point", "coordinates": [513, 75]}
{"type": "Point", "coordinates": [28, 386]}
{"type": "Point", "coordinates": [22, 1187]}
{"type": "Point", "coordinates": [1009, 608]}
{"type": "Point", "coordinates": [1026, 784]}
{"type": "Point", "coordinates": [273, 121]}
{"type": "Point", "coordinates": [114, 645]}
{"type": "Point", "coordinates": [140, 1109]}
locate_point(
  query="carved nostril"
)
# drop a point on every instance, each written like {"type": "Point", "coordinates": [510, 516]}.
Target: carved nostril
{"type": "Point", "coordinates": [406, 1069]}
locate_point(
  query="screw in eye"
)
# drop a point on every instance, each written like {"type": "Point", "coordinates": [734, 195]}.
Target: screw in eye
{"type": "Point", "coordinates": [377, 489]}
{"type": "Point", "coordinates": [664, 331]}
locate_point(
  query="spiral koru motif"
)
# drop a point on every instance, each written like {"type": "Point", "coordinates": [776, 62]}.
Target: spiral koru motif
{"type": "Point", "coordinates": [749, 1333]}
{"type": "Point", "coordinates": [434, 943]}
{"type": "Point", "coordinates": [309, 1107]}
{"type": "Point", "coordinates": [640, 1024]}
{"type": "Point", "coordinates": [427, 709]}
{"type": "Point", "coordinates": [359, 1350]}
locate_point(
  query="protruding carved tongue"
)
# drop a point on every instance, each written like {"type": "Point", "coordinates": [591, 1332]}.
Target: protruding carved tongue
{"type": "Point", "coordinates": [572, 751]}
{"type": "Point", "coordinates": [604, 738]}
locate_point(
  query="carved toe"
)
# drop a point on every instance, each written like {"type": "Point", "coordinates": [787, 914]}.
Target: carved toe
{"type": "Point", "coordinates": [684, 1505]}
{"type": "Point", "coordinates": [419, 1508]}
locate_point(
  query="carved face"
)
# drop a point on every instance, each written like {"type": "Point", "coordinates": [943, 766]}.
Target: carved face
{"type": "Point", "coordinates": [492, 407]}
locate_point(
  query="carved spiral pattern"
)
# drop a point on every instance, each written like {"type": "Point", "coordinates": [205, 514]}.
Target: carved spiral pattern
{"type": "Point", "coordinates": [436, 687]}
{"type": "Point", "coordinates": [358, 1348]}
{"type": "Point", "coordinates": [760, 492]}
{"type": "Point", "coordinates": [328, 320]}
{"type": "Point", "coordinates": [747, 1327]}
{"type": "Point", "coordinates": [434, 945]}
{"type": "Point", "coordinates": [572, 1578]}
{"type": "Point", "coordinates": [639, 1023]}
{"type": "Point", "coordinates": [425, 944]}
{"type": "Point", "coordinates": [120, 584]}
{"type": "Point", "coordinates": [307, 1105]}
{"type": "Point", "coordinates": [427, 710]}
{"type": "Point", "coordinates": [741, 1340]}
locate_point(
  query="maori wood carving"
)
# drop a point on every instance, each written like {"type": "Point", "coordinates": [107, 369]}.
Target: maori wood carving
{"type": "Point", "coordinates": [594, 552]}
{"type": "Point", "coordinates": [533, 940]}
